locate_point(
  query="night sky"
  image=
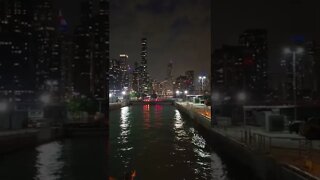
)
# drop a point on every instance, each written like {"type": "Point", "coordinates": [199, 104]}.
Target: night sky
{"type": "Point", "coordinates": [282, 19]}
{"type": "Point", "coordinates": [177, 30]}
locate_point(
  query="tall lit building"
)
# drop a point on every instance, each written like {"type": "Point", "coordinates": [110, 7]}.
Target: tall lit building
{"type": "Point", "coordinates": [91, 51]}
{"type": "Point", "coordinates": [180, 84]}
{"type": "Point", "coordinates": [136, 78]}
{"type": "Point", "coordinates": [63, 54]}
{"type": "Point", "coordinates": [100, 56]}
{"type": "Point", "coordinates": [227, 70]}
{"type": "Point", "coordinates": [255, 61]}
{"type": "Point", "coordinates": [190, 81]}
{"type": "Point", "coordinates": [47, 67]}
{"type": "Point", "coordinates": [124, 66]}
{"type": "Point", "coordinates": [145, 79]}
{"type": "Point", "coordinates": [16, 62]}
{"type": "Point", "coordinates": [115, 74]}
{"type": "Point", "coordinates": [83, 50]}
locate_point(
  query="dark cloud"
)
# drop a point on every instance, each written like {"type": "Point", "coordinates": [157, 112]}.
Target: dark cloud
{"type": "Point", "coordinates": [176, 30]}
{"type": "Point", "coordinates": [158, 7]}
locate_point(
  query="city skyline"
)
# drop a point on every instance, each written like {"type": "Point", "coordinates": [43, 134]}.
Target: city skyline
{"type": "Point", "coordinates": [181, 27]}
{"type": "Point", "coordinates": [282, 19]}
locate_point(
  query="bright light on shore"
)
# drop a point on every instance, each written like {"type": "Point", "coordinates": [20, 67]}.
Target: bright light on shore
{"type": "Point", "coordinates": [3, 106]}
{"type": "Point", "coordinates": [45, 98]}
{"type": "Point", "coordinates": [242, 96]}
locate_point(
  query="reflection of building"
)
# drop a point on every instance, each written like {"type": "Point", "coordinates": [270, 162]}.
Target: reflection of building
{"type": "Point", "coordinates": [16, 62]}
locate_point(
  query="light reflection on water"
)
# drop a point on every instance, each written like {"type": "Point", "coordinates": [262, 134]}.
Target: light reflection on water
{"type": "Point", "coordinates": [70, 159]}
{"type": "Point", "coordinates": [49, 164]}
{"type": "Point", "coordinates": [159, 143]}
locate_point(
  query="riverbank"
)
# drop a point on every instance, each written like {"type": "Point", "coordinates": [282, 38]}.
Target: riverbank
{"type": "Point", "coordinates": [234, 144]}
{"type": "Point", "coordinates": [14, 140]}
{"type": "Point", "coordinates": [114, 106]}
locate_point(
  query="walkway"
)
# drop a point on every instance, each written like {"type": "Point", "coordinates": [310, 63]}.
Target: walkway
{"type": "Point", "coordinates": [290, 149]}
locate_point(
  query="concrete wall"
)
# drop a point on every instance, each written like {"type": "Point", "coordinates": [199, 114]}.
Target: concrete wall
{"type": "Point", "coordinates": [262, 166]}
{"type": "Point", "coordinates": [16, 140]}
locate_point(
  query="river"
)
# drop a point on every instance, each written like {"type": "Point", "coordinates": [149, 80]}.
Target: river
{"type": "Point", "coordinates": [158, 142]}
{"type": "Point", "coordinates": [70, 159]}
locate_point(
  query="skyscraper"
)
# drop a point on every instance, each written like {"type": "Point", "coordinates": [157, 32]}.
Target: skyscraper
{"type": "Point", "coordinates": [47, 67]}
{"type": "Point", "coordinates": [190, 81]}
{"type": "Point", "coordinates": [124, 71]}
{"type": "Point", "coordinates": [145, 79]}
{"type": "Point", "coordinates": [99, 63]}
{"type": "Point", "coordinates": [91, 52]}
{"type": "Point", "coordinates": [227, 70]}
{"type": "Point", "coordinates": [255, 61]}
{"type": "Point", "coordinates": [16, 62]}
{"type": "Point", "coordinates": [115, 74]}
{"type": "Point", "coordinates": [63, 54]}
{"type": "Point", "coordinates": [83, 50]}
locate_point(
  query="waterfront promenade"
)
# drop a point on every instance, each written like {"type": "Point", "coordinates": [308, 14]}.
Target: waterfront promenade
{"type": "Point", "coordinates": [291, 150]}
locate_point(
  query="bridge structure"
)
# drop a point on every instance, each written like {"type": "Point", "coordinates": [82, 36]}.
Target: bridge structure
{"type": "Point", "coordinates": [152, 102]}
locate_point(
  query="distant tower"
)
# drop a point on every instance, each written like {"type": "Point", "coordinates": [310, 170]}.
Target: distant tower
{"type": "Point", "coordinates": [47, 69]}
{"type": "Point", "coordinates": [16, 62]}
{"type": "Point", "coordinates": [169, 70]}
{"type": "Point", "coordinates": [124, 71]}
{"type": "Point", "coordinates": [145, 82]}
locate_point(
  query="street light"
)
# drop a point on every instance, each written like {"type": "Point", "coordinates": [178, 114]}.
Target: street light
{"type": "Point", "coordinates": [202, 78]}
{"type": "Point", "coordinates": [177, 92]}
{"type": "Point", "coordinates": [45, 98]}
{"type": "Point", "coordinates": [123, 93]}
{"type": "Point", "coordinates": [185, 92]}
{"type": "Point", "coordinates": [241, 96]}
{"type": "Point", "coordinates": [294, 52]}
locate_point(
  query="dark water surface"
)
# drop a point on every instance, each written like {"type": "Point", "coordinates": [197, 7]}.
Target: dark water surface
{"type": "Point", "coordinates": [70, 159]}
{"type": "Point", "coordinates": [160, 143]}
